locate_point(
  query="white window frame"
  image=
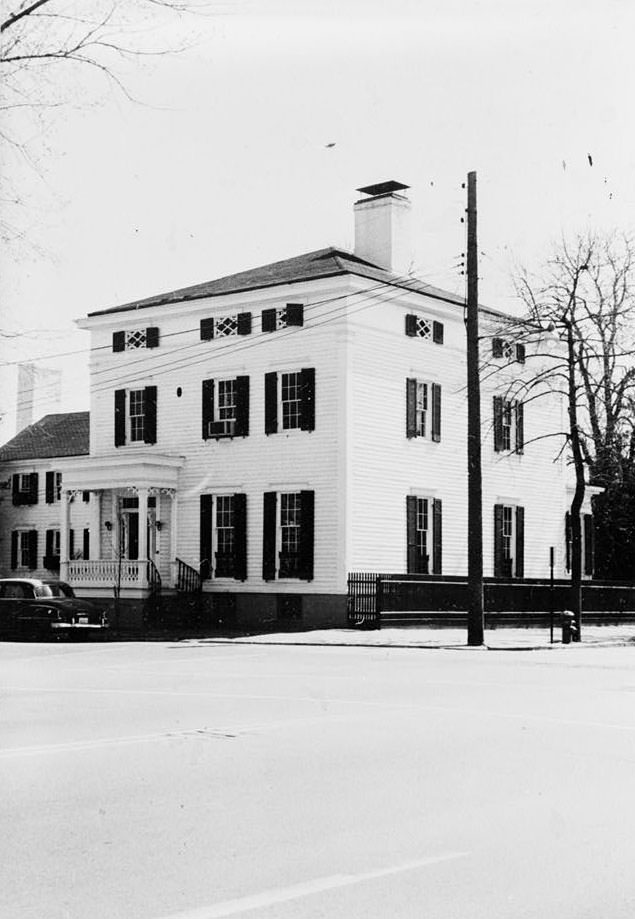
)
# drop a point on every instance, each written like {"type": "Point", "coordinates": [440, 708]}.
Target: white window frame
{"type": "Point", "coordinates": [24, 483]}
{"type": "Point", "coordinates": [57, 487]}
{"type": "Point", "coordinates": [424, 534]}
{"type": "Point", "coordinates": [294, 528]}
{"type": "Point", "coordinates": [23, 549]}
{"type": "Point", "coordinates": [135, 427]}
{"type": "Point", "coordinates": [508, 425]}
{"type": "Point", "coordinates": [423, 409]}
{"type": "Point", "coordinates": [221, 415]}
{"type": "Point", "coordinates": [508, 537]}
{"type": "Point", "coordinates": [219, 510]}
{"type": "Point", "coordinates": [56, 542]}
{"type": "Point", "coordinates": [136, 339]}
{"type": "Point", "coordinates": [295, 416]}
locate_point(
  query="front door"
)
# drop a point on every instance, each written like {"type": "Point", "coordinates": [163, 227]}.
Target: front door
{"type": "Point", "coordinates": [129, 535]}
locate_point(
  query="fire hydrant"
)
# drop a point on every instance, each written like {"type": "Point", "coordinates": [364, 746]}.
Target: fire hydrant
{"type": "Point", "coordinates": [568, 626]}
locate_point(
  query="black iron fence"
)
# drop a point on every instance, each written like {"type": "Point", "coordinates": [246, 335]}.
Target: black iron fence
{"type": "Point", "coordinates": [373, 598]}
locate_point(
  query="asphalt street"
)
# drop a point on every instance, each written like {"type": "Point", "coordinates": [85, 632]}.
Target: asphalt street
{"type": "Point", "coordinates": [195, 780]}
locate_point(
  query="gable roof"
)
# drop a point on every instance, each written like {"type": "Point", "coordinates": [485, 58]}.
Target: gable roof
{"type": "Point", "coordinates": [323, 263]}
{"type": "Point", "coordinates": [64, 434]}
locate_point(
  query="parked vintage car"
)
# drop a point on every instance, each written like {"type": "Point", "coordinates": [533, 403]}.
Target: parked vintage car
{"type": "Point", "coordinates": [47, 608]}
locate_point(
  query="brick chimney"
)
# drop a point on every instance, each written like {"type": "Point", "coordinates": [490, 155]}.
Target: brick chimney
{"type": "Point", "coordinates": [382, 226]}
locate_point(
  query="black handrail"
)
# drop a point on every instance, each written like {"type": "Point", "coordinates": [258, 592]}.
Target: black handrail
{"type": "Point", "coordinates": [188, 579]}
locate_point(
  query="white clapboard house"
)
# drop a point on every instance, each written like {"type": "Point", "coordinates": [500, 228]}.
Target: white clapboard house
{"type": "Point", "coordinates": [274, 430]}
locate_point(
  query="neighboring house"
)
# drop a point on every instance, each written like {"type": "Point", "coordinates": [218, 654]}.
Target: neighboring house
{"type": "Point", "coordinates": [32, 470]}
{"type": "Point", "coordinates": [279, 428]}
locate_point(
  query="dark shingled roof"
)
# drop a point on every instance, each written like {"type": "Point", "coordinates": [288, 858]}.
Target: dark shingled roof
{"type": "Point", "coordinates": [323, 263]}
{"type": "Point", "coordinates": [65, 434]}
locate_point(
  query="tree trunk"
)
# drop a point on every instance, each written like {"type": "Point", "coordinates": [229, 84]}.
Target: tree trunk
{"type": "Point", "coordinates": [578, 496]}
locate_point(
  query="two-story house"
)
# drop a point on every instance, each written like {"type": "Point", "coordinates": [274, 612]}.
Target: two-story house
{"type": "Point", "coordinates": [273, 430]}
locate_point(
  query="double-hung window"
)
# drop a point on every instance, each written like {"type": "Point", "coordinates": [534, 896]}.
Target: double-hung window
{"type": "Point", "coordinates": [509, 541]}
{"type": "Point", "coordinates": [136, 416]}
{"type": "Point", "coordinates": [288, 535]}
{"type": "Point", "coordinates": [225, 408]}
{"type": "Point", "coordinates": [223, 536]}
{"type": "Point", "coordinates": [24, 549]}
{"type": "Point", "coordinates": [423, 409]}
{"type": "Point", "coordinates": [424, 534]}
{"type": "Point", "coordinates": [290, 400]}
{"type": "Point", "coordinates": [25, 488]}
{"type": "Point", "coordinates": [53, 489]}
{"type": "Point", "coordinates": [509, 434]}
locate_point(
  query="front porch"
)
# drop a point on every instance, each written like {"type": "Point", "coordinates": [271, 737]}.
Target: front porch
{"type": "Point", "coordinates": [130, 544]}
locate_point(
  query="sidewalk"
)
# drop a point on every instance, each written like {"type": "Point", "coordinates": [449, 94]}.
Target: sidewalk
{"type": "Point", "coordinates": [451, 639]}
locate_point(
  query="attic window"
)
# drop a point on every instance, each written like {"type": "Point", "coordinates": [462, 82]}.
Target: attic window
{"type": "Point", "coordinates": [226, 325]}
{"type": "Point", "coordinates": [135, 339]}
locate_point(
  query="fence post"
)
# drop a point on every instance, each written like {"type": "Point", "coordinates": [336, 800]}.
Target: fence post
{"type": "Point", "coordinates": [379, 597]}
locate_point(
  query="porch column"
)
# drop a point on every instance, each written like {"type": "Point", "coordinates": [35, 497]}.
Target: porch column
{"type": "Point", "coordinates": [173, 536]}
{"type": "Point", "coordinates": [64, 534]}
{"type": "Point", "coordinates": [95, 524]}
{"type": "Point", "coordinates": [143, 532]}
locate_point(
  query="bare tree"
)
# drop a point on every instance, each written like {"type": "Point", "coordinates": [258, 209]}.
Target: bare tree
{"type": "Point", "coordinates": [49, 47]}
{"type": "Point", "coordinates": [579, 329]}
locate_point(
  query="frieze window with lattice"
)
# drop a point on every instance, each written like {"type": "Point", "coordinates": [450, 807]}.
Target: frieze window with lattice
{"type": "Point", "coordinates": [136, 339]}
{"type": "Point", "coordinates": [226, 325]}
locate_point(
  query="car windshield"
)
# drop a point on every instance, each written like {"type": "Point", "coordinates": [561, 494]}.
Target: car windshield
{"type": "Point", "coordinates": [59, 590]}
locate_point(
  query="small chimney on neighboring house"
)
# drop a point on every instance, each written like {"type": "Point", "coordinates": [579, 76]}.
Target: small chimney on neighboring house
{"type": "Point", "coordinates": [39, 393]}
{"type": "Point", "coordinates": [382, 227]}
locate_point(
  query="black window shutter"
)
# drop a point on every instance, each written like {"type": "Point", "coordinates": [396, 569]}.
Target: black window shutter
{"type": "Point", "coordinates": [243, 323]}
{"type": "Point", "coordinates": [50, 534]}
{"type": "Point", "coordinates": [207, 329]}
{"type": "Point", "coordinates": [152, 337]}
{"type": "Point", "coordinates": [437, 332]}
{"type": "Point", "coordinates": [207, 503]}
{"type": "Point", "coordinates": [17, 495]}
{"type": "Point", "coordinates": [120, 417]}
{"type": "Point", "coordinates": [32, 549]}
{"type": "Point", "coordinates": [86, 543]}
{"type": "Point", "coordinates": [268, 320]}
{"type": "Point", "coordinates": [295, 314]}
{"type": "Point", "coordinates": [269, 536]}
{"type": "Point", "coordinates": [118, 341]}
{"type": "Point", "coordinates": [498, 423]}
{"type": "Point", "coordinates": [520, 427]}
{"type": "Point", "coordinates": [520, 542]}
{"type": "Point", "coordinates": [436, 412]}
{"type": "Point", "coordinates": [498, 541]}
{"type": "Point", "coordinates": [271, 403]}
{"type": "Point", "coordinates": [33, 488]}
{"type": "Point", "coordinates": [567, 540]}
{"type": "Point", "coordinates": [71, 543]}
{"type": "Point", "coordinates": [242, 406]}
{"type": "Point", "coordinates": [50, 488]}
{"type": "Point", "coordinates": [588, 544]}
{"type": "Point", "coordinates": [207, 413]}
{"type": "Point", "coordinates": [86, 496]}
{"type": "Point", "coordinates": [240, 536]}
{"type": "Point", "coordinates": [411, 324]}
{"type": "Point", "coordinates": [307, 420]}
{"type": "Point", "coordinates": [437, 536]}
{"type": "Point", "coordinates": [14, 549]}
{"type": "Point", "coordinates": [150, 415]}
{"type": "Point", "coordinates": [411, 407]}
{"type": "Point", "coordinates": [497, 347]}
{"type": "Point", "coordinates": [520, 354]}
{"type": "Point", "coordinates": [307, 534]}
{"type": "Point", "coordinates": [411, 534]}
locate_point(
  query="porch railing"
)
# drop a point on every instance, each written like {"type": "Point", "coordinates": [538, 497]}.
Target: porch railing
{"type": "Point", "coordinates": [187, 578]}
{"type": "Point", "coordinates": [110, 572]}
{"type": "Point", "coordinates": [154, 579]}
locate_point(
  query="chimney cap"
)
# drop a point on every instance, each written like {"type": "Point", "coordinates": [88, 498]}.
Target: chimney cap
{"type": "Point", "coordinates": [383, 188]}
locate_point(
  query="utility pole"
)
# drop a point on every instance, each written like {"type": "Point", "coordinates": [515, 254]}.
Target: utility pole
{"type": "Point", "coordinates": [475, 621]}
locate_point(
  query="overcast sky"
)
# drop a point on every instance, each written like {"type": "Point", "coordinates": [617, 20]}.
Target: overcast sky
{"type": "Point", "coordinates": [223, 165]}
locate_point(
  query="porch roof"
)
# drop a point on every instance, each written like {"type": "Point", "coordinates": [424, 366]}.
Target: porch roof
{"type": "Point", "coordinates": [104, 473]}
